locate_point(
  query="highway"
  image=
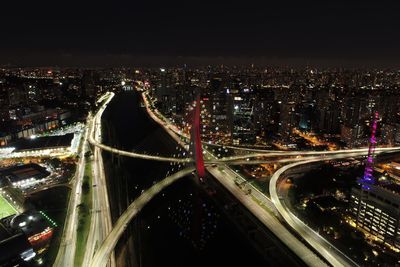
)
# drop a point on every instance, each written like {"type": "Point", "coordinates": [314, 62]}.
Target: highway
{"type": "Point", "coordinates": [171, 128]}
{"type": "Point", "coordinates": [102, 255]}
{"type": "Point", "coordinates": [226, 176]}
{"type": "Point", "coordinates": [263, 210]}
{"type": "Point", "coordinates": [176, 133]}
{"type": "Point", "coordinates": [346, 152]}
{"type": "Point", "coordinates": [138, 155]}
{"type": "Point", "coordinates": [327, 250]}
{"type": "Point", "coordinates": [101, 223]}
{"type": "Point", "coordinates": [66, 253]}
{"type": "Point", "coordinates": [227, 159]}
{"type": "Point", "coordinates": [261, 206]}
{"type": "Point", "coordinates": [96, 143]}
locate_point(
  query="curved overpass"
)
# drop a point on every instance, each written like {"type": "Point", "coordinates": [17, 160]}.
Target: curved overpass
{"type": "Point", "coordinates": [326, 249]}
{"type": "Point", "coordinates": [345, 152]}
{"type": "Point", "coordinates": [106, 248]}
{"type": "Point", "coordinates": [93, 141]}
{"type": "Point", "coordinates": [168, 125]}
{"type": "Point", "coordinates": [257, 152]}
{"type": "Point", "coordinates": [137, 155]}
{"type": "Point", "coordinates": [336, 258]}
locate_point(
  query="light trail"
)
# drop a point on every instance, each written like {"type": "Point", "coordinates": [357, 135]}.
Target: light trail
{"type": "Point", "coordinates": [326, 249]}
{"type": "Point", "coordinates": [103, 253]}
{"type": "Point", "coordinates": [172, 130]}
{"type": "Point", "coordinates": [101, 223]}
{"type": "Point", "coordinates": [226, 177]}
{"type": "Point", "coordinates": [66, 253]}
{"type": "Point", "coordinates": [307, 153]}
{"type": "Point", "coordinates": [317, 242]}
{"type": "Point", "coordinates": [94, 142]}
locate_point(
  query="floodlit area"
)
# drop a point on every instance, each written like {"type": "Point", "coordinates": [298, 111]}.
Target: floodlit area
{"type": "Point", "coordinates": [6, 209]}
{"type": "Point", "coordinates": [60, 151]}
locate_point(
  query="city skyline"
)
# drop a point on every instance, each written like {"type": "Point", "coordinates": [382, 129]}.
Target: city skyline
{"type": "Point", "coordinates": [199, 134]}
{"type": "Point", "coordinates": [174, 145]}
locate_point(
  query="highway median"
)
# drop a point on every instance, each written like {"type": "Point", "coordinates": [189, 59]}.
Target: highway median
{"type": "Point", "coordinates": [84, 215]}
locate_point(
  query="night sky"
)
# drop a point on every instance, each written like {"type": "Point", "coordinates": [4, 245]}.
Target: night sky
{"type": "Point", "coordinates": [133, 32]}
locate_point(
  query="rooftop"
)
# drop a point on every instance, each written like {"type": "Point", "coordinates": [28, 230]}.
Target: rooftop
{"type": "Point", "coordinates": [43, 142]}
{"type": "Point", "coordinates": [19, 173]}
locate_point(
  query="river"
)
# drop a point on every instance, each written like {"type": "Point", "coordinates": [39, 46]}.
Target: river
{"type": "Point", "coordinates": [183, 226]}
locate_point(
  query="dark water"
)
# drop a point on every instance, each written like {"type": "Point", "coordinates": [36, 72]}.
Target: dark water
{"type": "Point", "coordinates": [180, 227]}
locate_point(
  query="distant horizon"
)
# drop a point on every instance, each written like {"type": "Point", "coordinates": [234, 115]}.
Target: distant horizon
{"type": "Point", "coordinates": [115, 60]}
{"type": "Point", "coordinates": [306, 33]}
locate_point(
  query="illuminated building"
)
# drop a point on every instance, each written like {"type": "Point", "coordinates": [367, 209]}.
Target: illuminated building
{"type": "Point", "coordinates": [287, 118]}
{"type": "Point", "coordinates": [15, 250]}
{"type": "Point", "coordinates": [354, 108]}
{"type": "Point", "coordinates": [37, 226]}
{"type": "Point", "coordinates": [329, 120]}
{"type": "Point", "coordinates": [90, 79]}
{"type": "Point", "coordinates": [165, 92]}
{"type": "Point", "coordinates": [307, 116]}
{"type": "Point", "coordinates": [352, 135]}
{"type": "Point", "coordinates": [265, 113]}
{"type": "Point", "coordinates": [243, 124]}
{"type": "Point", "coordinates": [377, 211]}
{"type": "Point", "coordinates": [220, 109]}
{"type": "Point", "coordinates": [375, 205]}
{"type": "Point", "coordinates": [391, 133]}
{"type": "Point", "coordinates": [21, 176]}
{"type": "Point", "coordinates": [329, 112]}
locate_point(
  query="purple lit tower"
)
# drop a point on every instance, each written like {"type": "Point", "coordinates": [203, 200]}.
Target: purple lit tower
{"type": "Point", "coordinates": [368, 179]}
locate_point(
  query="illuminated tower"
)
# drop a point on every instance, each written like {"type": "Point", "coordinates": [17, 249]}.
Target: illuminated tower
{"type": "Point", "coordinates": [368, 179]}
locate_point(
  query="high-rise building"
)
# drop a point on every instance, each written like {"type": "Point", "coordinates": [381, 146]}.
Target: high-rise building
{"type": "Point", "coordinates": [374, 204]}
{"type": "Point", "coordinates": [377, 211]}
{"type": "Point", "coordinates": [16, 96]}
{"type": "Point", "coordinates": [243, 120]}
{"type": "Point", "coordinates": [265, 113]}
{"type": "Point", "coordinates": [307, 116]}
{"type": "Point", "coordinates": [165, 92]}
{"type": "Point", "coordinates": [354, 110]}
{"type": "Point", "coordinates": [221, 110]}
{"type": "Point", "coordinates": [329, 119]}
{"type": "Point", "coordinates": [287, 119]}
{"type": "Point", "coordinates": [352, 135]}
{"type": "Point", "coordinates": [390, 133]}
{"type": "Point", "coordinates": [90, 80]}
